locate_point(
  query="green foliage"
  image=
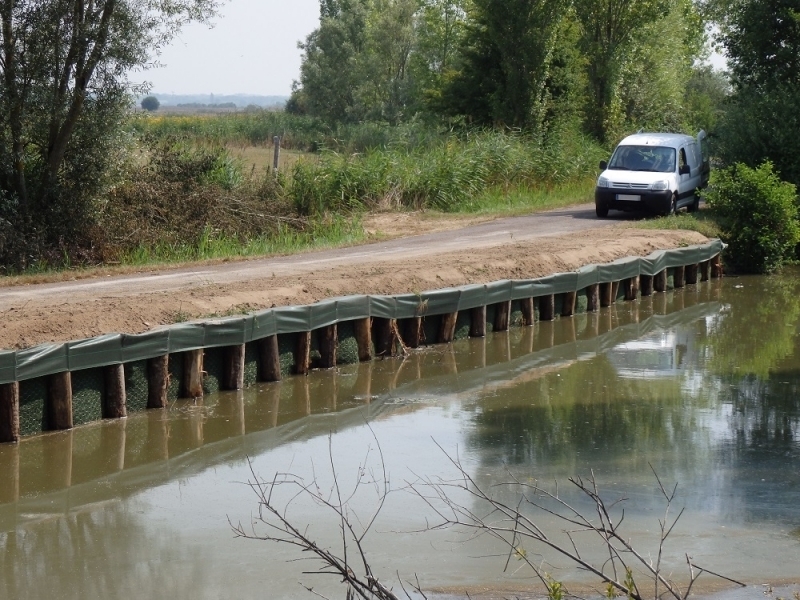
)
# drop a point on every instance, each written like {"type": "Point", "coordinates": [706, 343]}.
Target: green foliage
{"type": "Point", "coordinates": [639, 56]}
{"type": "Point", "coordinates": [762, 41]}
{"type": "Point", "coordinates": [706, 93]}
{"type": "Point", "coordinates": [702, 222]}
{"type": "Point", "coordinates": [150, 103]}
{"type": "Point", "coordinates": [763, 125]}
{"type": "Point", "coordinates": [64, 95]}
{"type": "Point", "coordinates": [555, 589]}
{"type": "Point", "coordinates": [449, 176]}
{"type": "Point", "coordinates": [758, 215]}
{"type": "Point", "coordinates": [508, 51]}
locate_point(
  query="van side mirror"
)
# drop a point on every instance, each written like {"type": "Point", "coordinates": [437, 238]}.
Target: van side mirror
{"type": "Point", "coordinates": [603, 165]}
{"type": "Point", "coordinates": [685, 170]}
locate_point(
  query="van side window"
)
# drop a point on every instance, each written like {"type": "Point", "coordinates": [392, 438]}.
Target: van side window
{"type": "Point", "coordinates": [694, 155]}
{"type": "Point", "coordinates": [682, 157]}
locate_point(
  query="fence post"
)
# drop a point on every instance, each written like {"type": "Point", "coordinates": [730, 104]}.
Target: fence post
{"type": "Point", "coordinates": [276, 141]}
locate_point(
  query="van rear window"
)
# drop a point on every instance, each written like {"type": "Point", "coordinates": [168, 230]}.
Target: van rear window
{"type": "Point", "coordinates": [658, 159]}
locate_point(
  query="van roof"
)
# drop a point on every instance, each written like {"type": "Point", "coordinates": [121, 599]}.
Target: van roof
{"type": "Point", "coordinates": [671, 140]}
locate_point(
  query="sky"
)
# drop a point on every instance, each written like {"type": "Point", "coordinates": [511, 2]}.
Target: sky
{"type": "Point", "coordinates": [252, 49]}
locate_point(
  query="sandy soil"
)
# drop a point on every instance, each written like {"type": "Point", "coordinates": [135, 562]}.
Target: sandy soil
{"type": "Point", "coordinates": [55, 312]}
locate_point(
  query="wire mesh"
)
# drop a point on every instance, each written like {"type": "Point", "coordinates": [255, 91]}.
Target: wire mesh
{"type": "Point", "coordinates": [287, 342]}
{"type": "Point", "coordinates": [136, 387]}
{"type": "Point", "coordinates": [32, 393]}
{"type": "Point", "coordinates": [250, 364]}
{"type": "Point", "coordinates": [463, 322]}
{"type": "Point", "coordinates": [175, 375]}
{"type": "Point", "coordinates": [214, 368]}
{"type": "Point", "coordinates": [347, 351]}
{"type": "Point", "coordinates": [87, 395]}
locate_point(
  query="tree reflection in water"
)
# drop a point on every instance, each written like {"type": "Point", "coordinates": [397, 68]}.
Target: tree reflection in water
{"type": "Point", "coordinates": [89, 554]}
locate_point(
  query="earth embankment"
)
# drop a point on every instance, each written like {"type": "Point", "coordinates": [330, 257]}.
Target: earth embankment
{"type": "Point", "coordinates": [443, 253]}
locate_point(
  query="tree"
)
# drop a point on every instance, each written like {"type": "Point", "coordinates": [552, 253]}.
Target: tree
{"type": "Point", "coordinates": [439, 28]}
{"type": "Point", "coordinates": [64, 92]}
{"type": "Point", "coordinates": [150, 103]}
{"type": "Point", "coordinates": [507, 53]}
{"type": "Point", "coordinates": [329, 72]}
{"type": "Point", "coordinates": [707, 91]}
{"type": "Point", "coordinates": [355, 65]}
{"type": "Point", "coordinates": [762, 41]}
{"type": "Point", "coordinates": [609, 27]}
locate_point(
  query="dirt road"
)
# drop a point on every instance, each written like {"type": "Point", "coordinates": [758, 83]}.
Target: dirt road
{"type": "Point", "coordinates": [448, 255]}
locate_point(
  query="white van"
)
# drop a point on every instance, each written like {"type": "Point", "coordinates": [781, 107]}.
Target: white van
{"type": "Point", "coordinates": [654, 172]}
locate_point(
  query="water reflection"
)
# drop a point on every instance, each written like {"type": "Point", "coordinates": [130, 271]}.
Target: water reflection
{"type": "Point", "coordinates": [702, 384]}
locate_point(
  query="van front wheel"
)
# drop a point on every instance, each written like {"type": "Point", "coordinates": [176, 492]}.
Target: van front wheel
{"type": "Point", "coordinates": [673, 205]}
{"type": "Point", "coordinates": [601, 210]}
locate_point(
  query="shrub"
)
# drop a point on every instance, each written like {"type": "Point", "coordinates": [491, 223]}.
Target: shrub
{"type": "Point", "coordinates": [150, 103]}
{"type": "Point", "coordinates": [447, 176]}
{"type": "Point", "coordinates": [758, 215]}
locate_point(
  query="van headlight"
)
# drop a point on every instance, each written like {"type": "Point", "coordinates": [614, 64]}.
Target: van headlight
{"type": "Point", "coordinates": [603, 182]}
{"type": "Point", "coordinates": [659, 186]}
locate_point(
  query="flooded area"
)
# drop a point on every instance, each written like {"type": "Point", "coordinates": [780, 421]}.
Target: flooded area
{"type": "Point", "coordinates": [700, 385]}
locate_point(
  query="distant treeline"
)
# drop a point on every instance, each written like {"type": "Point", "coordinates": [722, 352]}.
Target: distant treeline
{"type": "Point", "coordinates": [198, 105]}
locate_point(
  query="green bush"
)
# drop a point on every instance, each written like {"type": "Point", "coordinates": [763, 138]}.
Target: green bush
{"type": "Point", "coordinates": [447, 176]}
{"type": "Point", "coordinates": [758, 215]}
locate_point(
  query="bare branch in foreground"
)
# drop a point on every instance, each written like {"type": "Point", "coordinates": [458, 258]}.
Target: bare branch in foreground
{"type": "Point", "coordinates": [272, 515]}
{"type": "Point", "coordinates": [511, 524]}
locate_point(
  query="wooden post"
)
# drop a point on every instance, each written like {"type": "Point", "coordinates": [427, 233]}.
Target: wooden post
{"type": "Point", "coordinates": [678, 277]}
{"type": "Point", "coordinates": [302, 354]}
{"type": "Point", "coordinates": [647, 284]}
{"type": "Point", "coordinates": [114, 397]}
{"type": "Point", "coordinates": [501, 315]}
{"type": "Point", "coordinates": [528, 314]}
{"type": "Point", "coordinates": [691, 274]}
{"type": "Point", "coordinates": [411, 331]}
{"type": "Point", "coordinates": [605, 294]}
{"type": "Point", "coordinates": [269, 359]}
{"type": "Point", "coordinates": [547, 307]}
{"type": "Point", "coordinates": [477, 326]}
{"type": "Point", "coordinates": [447, 328]}
{"type": "Point", "coordinates": [328, 339]}
{"type": "Point", "coordinates": [614, 291]}
{"type": "Point", "coordinates": [632, 288]}
{"type": "Point", "coordinates": [9, 412]}
{"type": "Point", "coordinates": [276, 141]}
{"type": "Point", "coordinates": [363, 332]}
{"type": "Point", "coordinates": [593, 298]}
{"type": "Point", "coordinates": [192, 374]}
{"type": "Point", "coordinates": [716, 266]}
{"type": "Point", "coordinates": [58, 407]}
{"type": "Point", "coordinates": [660, 281]}
{"type": "Point", "coordinates": [233, 368]}
{"type": "Point", "coordinates": [157, 381]}
{"type": "Point", "coordinates": [704, 268]}
{"type": "Point", "coordinates": [568, 304]}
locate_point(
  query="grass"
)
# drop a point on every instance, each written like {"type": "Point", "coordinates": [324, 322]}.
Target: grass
{"type": "Point", "coordinates": [258, 159]}
{"type": "Point", "coordinates": [702, 222]}
{"type": "Point", "coordinates": [523, 200]}
{"type": "Point", "coordinates": [332, 232]}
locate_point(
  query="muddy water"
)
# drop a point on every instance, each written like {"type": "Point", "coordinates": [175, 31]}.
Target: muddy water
{"type": "Point", "coordinates": [699, 385]}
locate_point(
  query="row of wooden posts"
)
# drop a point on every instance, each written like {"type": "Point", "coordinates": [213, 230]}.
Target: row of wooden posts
{"type": "Point", "coordinates": [379, 333]}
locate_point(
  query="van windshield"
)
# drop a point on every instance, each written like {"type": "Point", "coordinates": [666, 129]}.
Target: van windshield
{"type": "Point", "coordinates": [659, 159]}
